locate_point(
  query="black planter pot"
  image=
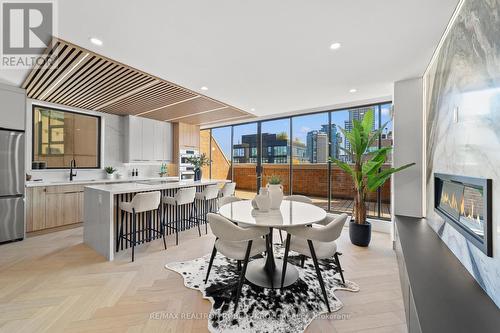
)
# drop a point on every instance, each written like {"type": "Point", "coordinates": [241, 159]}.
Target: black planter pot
{"type": "Point", "coordinates": [197, 174]}
{"type": "Point", "coordinates": [360, 234]}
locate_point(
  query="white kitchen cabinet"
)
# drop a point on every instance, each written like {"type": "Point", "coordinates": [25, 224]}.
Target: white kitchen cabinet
{"type": "Point", "coordinates": [13, 107]}
{"type": "Point", "coordinates": [133, 137]}
{"type": "Point", "coordinates": [159, 146]}
{"type": "Point", "coordinates": [168, 140]}
{"type": "Point", "coordinates": [148, 140]}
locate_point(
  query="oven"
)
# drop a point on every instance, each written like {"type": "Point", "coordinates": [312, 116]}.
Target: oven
{"type": "Point", "coordinates": [186, 169]}
{"type": "Point", "coordinates": [187, 175]}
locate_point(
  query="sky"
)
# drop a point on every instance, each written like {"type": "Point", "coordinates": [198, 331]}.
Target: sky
{"type": "Point", "coordinates": [300, 126]}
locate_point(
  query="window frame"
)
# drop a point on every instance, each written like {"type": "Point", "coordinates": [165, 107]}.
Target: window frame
{"type": "Point", "coordinates": [99, 136]}
{"type": "Point", "coordinates": [377, 107]}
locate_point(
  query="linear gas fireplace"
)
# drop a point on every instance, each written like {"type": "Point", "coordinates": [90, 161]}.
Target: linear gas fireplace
{"type": "Point", "coordinates": [465, 203]}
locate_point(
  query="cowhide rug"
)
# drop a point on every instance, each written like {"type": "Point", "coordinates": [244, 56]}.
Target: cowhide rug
{"type": "Point", "coordinates": [260, 309]}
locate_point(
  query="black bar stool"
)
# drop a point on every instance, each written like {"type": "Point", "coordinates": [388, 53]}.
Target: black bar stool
{"type": "Point", "coordinates": [184, 198]}
{"type": "Point", "coordinates": [141, 202]}
{"type": "Point", "coordinates": [208, 199]}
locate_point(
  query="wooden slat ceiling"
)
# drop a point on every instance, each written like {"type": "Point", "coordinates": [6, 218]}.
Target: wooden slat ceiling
{"type": "Point", "coordinates": [206, 118]}
{"type": "Point", "coordinates": [80, 78]}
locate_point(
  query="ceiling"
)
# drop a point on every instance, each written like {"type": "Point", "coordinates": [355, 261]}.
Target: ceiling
{"type": "Point", "coordinates": [77, 77]}
{"type": "Point", "coordinates": [263, 57]}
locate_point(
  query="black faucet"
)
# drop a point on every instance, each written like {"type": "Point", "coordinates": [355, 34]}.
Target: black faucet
{"type": "Point", "coordinates": [72, 165]}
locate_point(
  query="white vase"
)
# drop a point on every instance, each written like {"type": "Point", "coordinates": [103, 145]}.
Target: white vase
{"type": "Point", "coordinates": [110, 176]}
{"type": "Point", "coordinates": [263, 201]}
{"type": "Point", "coordinates": [276, 195]}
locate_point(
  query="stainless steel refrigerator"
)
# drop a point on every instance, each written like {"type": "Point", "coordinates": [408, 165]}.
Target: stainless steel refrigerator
{"type": "Point", "coordinates": [11, 185]}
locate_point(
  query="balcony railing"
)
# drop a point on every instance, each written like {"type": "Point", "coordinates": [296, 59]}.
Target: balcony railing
{"type": "Point", "coordinates": [312, 180]}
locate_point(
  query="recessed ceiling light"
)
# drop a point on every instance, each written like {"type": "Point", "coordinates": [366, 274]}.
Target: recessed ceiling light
{"type": "Point", "coordinates": [96, 41]}
{"type": "Point", "coordinates": [352, 91]}
{"type": "Point", "coordinates": [252, 109]}
{"type": "Point", "coordinates": [335, 46]}
{"type": "Point", "coordinates": [204, 88]}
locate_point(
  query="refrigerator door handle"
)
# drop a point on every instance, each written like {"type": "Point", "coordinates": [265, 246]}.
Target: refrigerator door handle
{"type": "Point", "coordinates": [11, 196]}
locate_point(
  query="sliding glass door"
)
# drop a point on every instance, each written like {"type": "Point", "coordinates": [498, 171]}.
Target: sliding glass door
{"type": "Point", "coordinates": [310, 157]}
{"type": "Point", "coordinates": [245, 156]}
{"type": "Point", "coordinates": [386, 140]}
{"type": "Point", "coordinates": [342, 186]}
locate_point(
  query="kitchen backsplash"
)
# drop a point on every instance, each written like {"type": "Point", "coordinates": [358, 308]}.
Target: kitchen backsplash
{"type": "Point", "coordinates": [86, 174]}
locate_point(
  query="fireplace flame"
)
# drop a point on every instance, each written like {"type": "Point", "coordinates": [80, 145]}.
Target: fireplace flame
{"type": "Point", "coordinates": [453, 204]}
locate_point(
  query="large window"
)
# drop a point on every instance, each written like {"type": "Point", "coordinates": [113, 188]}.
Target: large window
{"type": "Point", "coordinates": [298, 149]}
{"type": "Point", "coordinates": [60, 136]}
{"type": "Point", "coordinates": [205, 149]}
{"type": "Point", "coordinates": [310, 157]}
{"type": "Point", "coordinates": [275, 138]}
{"type": "Point", "coordinates": [386, 141]}
{"type": "Point", "coordinates": [244, 143]}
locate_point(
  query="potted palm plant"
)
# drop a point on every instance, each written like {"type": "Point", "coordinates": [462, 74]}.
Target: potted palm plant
{"type": "Point", "coordinates": [366, 172]}
{"type": "Point", "coordinates": [198, 162]}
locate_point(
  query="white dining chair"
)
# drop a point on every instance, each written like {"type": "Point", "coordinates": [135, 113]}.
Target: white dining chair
{"type": "Point", "coordinates": [235, 243]}
{"type": "Point", "coordinates": [297, 198]}
{"type": "Point", "coordinates": [226, 200]}
{"type": "Point", "coordinates": [317, 242]}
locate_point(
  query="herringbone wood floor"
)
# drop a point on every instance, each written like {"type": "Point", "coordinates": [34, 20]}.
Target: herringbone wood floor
{"type": "Point", "coordinates": [54, 283]}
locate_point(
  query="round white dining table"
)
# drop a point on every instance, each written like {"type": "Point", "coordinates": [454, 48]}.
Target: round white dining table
{"type": "Point", "coordinates": [267, 272]}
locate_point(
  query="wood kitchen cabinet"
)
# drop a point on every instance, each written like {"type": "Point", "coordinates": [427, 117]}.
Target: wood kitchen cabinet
{"type": "Point", "coordinates": [187, 135]}
{"type": "Point", "coordinates": [35, 208]}
{"type": "Point", "coordinates": [61, 209]}
{"type": "Point", "coordinates": [184, 136]}
{"type": "Point", "coordinates": [53, 206]}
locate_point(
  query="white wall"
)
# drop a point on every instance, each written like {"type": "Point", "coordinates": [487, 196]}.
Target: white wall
{"type": "Point", "coordinates": [408, 185]}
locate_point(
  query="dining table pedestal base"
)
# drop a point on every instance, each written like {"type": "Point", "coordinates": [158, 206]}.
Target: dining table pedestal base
{"type": "Point", "coordinates": [258, 275]}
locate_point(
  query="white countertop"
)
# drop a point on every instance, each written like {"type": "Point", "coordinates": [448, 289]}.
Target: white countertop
{"type": "Point", "coordinates": [138, 187]}
{"type": "Point", "coordinates": [97, 181]}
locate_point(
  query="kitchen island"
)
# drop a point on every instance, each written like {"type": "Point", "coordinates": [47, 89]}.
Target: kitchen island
{"type": "Point", "coordinates": [102, 215]}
